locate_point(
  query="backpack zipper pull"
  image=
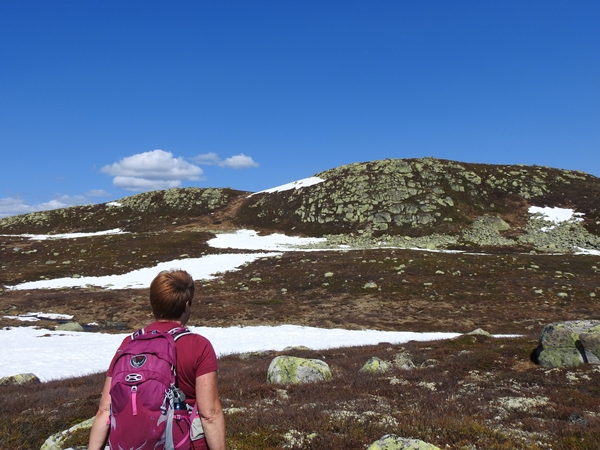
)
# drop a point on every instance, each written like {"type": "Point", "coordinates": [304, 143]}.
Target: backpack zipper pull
{"type": "Point", "coordinates": [134, 399]}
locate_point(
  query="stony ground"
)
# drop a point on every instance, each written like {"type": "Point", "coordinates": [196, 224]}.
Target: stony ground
{"type": "Point", "coordinates": [465, 394]}
{"type": "Point", "coordinates": [387, 289]}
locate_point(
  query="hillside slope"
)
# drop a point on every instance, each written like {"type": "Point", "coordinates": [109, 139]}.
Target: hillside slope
{"type": "Point", "coordinates": [453, 204]}
{"type": "Point", "coordinates": [423, 202]}
{"type": "Point", "coordinates": [149, 211]}
{"type": "Point", "coordinates": [516, 276]}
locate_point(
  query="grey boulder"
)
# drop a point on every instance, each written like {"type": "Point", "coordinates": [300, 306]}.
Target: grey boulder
{"type": "Point", "coordinates": [569, 343]}
{"type": "Point", "coordinates": [393, 442]}
{"type": "Point", "coordinates": [294, 370]}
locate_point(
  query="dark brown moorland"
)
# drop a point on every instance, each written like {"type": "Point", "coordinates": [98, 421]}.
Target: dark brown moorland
{"type": "Point", "coordinates": [473, 392]}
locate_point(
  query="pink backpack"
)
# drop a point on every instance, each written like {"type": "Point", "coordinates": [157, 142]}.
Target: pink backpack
{"type": "Point", "coordinates": [144, 395]}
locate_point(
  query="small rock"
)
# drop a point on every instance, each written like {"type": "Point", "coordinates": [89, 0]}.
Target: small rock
{"type": "Point", "coordinates": [55, 441]}
{"type": "Point", "coordinates": [375, 365]}
{"type": "Point", "coordinates": [403, 360]}
{"type": "Point", "coordinates": [22, 378]}
{"type": "Point", "coordinates": [248, 355]}
{"type": "Point", "coordinates": [69, 326]}
{"type": "Point", "coordinates": [480, 332]}
{"type": "Point", "coordinates": [393, 442]}
{"type": "Point", "coordinates": [576, 419]}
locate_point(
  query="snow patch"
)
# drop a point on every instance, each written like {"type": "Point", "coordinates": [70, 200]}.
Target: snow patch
{"type": "Point", "coordinates": [586, 251]}
{"type": "Point", "coordinates": [293, 185]}
{"type": "Point", "coordinates": [250, 240]}
{"type": "Point", "coordinates": [60, 354]}
{"type": "Point", "coordinates": [43, 237]}
{"type": "Point", "coordinates": [35, 316]}
{"type": "Point", "coordinates": [555, 215]}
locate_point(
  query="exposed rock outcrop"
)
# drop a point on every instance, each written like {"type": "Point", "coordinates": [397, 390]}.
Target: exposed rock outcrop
{"type": "Point", "coordinates": [477, 203]}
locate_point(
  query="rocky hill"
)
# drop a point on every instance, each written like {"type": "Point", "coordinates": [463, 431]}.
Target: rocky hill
{"type": "Point", "coordinates": [150, 211]}
{"type": "Point", "coordinates": [427, 203]}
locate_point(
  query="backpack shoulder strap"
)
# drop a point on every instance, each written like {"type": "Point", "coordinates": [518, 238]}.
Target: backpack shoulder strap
{"type": "Point", "coordinates": [178, 332]}
{"type": "Point", "coordinates": [137, 333]}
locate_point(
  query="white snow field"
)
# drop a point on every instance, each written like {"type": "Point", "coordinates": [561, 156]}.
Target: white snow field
{"type": "Point", "coordinates": [62, 354]}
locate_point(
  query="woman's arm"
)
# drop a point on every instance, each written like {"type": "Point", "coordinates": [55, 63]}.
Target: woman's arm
{"type": "Point", "coordinates": [99, 431]}
{"type": "Point", "coordinates": [210, 411]}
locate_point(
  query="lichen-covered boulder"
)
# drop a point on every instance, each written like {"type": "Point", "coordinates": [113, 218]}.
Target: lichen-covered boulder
{"type": "Point", "coordinates": [21, 378]}
{"type": "Point", "coordinates": [294, 370]}
{"type": "Point", "coordinates": [69, 326]}
{"type": "Point", "coordinates": [403, 360]}
{"type": "Point", "coordinates": [496, 223]}
{"type": "Point", "coordinates": [375, 365]}
{"type": "Point", "coordinates": [480, 332]}
{"type": "Point", "coordinates": [56, 441]}
{"type": "Point", "coordinates": [248, 355]}
{"type": "Point", "coordinates": [569, 343]}
{"type": "Point", "coordinates": [393, 442]}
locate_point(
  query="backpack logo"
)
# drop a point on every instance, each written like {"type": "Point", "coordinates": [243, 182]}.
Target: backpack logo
{"type": "Point", "coordinates": [137, 361]}
{"type": "Point", "coordinates": [133, 377]}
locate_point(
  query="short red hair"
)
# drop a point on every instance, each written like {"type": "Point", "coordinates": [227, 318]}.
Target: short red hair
{"type": "Point", "coordinates": [170, 291]}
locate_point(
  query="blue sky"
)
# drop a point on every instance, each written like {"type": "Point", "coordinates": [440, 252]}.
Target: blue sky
{"type": "Point", "coordinates": [103, 99]}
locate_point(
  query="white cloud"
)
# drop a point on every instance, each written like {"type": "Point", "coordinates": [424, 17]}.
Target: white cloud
{"type": "Point", "coordinates": [10, 206]}
{"type": "Point", "coordinates": [65, 201]}
{"type": "Point", "coordinates": [240, 161]}
{"type": "Point", "coordinates": [151, 170]}
{"type": "Point", "coordinates": [208, 159]}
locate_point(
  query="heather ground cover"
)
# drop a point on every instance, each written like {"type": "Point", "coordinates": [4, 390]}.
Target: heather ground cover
{"type": "Point", "coordinates": [465, 393]}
